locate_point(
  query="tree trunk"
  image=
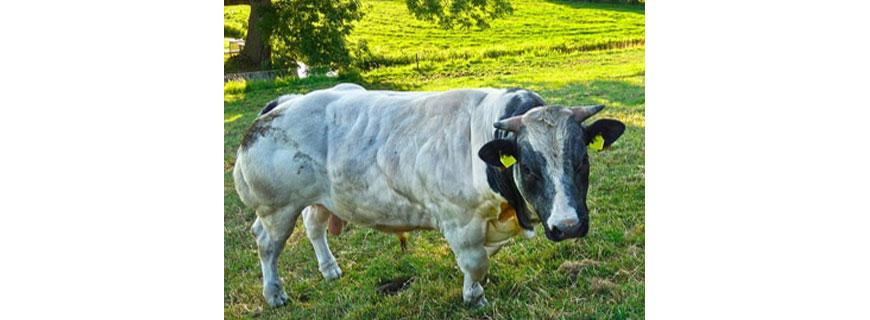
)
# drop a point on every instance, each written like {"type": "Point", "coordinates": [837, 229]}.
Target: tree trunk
{"type": "Point", "coordinates": [257, 51]}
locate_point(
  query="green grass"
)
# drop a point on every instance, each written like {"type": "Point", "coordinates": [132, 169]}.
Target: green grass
{"type": "Point", "coordinates": [524, 280]}
{"type": "Point", "coordinates": [393, 36]}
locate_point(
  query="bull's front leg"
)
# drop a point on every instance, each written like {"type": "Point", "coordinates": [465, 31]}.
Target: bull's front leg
{"type": "Point", "coordinates": [467, 243]}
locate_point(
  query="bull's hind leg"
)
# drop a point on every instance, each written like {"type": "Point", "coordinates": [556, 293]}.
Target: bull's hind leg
{"type": "Point", "coordinates": [316, 218]}
{"type": "Point", "coordinates": [271, 231]}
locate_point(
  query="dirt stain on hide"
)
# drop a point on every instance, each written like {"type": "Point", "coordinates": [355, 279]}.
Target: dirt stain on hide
{"type": "Point", "coordinates": [259, 128]}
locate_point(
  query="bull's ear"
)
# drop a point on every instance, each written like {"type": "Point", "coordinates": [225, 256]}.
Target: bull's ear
{"type": "Point", "coordinates": [609, 129]}
{"type": "Point", "coordinates": [492, 151]}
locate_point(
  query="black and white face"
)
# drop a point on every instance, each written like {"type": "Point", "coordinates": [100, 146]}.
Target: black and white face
{"type": "Point", "coordinates": [552, 170]}
{"type": "Point", "coordinates": [552, 175]}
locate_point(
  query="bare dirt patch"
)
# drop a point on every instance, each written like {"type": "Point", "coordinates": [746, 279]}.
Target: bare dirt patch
{"type": "Point", "coordinates": [392, 286]}
{"type": "Point", "coordinates": [601, 285]}
{"type": "Point", "coordinates": [574, 267]}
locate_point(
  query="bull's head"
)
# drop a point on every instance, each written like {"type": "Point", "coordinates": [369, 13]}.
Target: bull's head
{"type": "Point", "coordinates": [552, 171]}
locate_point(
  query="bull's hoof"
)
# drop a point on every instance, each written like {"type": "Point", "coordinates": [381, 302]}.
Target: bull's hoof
{"type": "Point", "coordinates": [474, 297]}
{"type": "Point", "coordinates": [480, 303]}
{"type": "Point", "coordinates": [275, 295]}
{"type": "Point", "coordinates": [332, 274]}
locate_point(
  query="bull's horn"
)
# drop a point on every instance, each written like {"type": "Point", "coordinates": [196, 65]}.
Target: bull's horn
{"type": "Point", "coordinates": [583, 113]}
{"type": "Point", "coordinates": [511, 124]}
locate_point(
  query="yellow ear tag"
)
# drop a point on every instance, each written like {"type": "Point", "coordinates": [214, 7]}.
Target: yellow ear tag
{"type": "Point", "coordinates": [597, 143]}
{"type": "Point", "coordinates": [507, 160]}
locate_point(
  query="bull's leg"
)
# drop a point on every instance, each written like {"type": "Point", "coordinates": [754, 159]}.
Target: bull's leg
{"type": "Point", "coordinates": [316, 218]}
{"type": "Point", "coordinates": [473, 260]}
{"type": "Point", "coordinates": [271, 231]}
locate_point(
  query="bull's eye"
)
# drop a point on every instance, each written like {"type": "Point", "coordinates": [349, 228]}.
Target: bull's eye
{"type": "Point", "coordinates": [528, 173]}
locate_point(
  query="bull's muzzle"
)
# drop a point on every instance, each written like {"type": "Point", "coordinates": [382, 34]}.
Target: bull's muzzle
{"type": "Point", "coordinates": [569, 228]}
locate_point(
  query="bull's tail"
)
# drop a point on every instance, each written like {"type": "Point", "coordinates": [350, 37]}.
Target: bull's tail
{"type": "Point", "coordinates": [403, 241]}
{"type": "Point", "coordinates": [274, 103]}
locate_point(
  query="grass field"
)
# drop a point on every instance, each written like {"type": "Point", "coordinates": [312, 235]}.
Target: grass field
{"type": "Point", "coordinates": [553, 48]}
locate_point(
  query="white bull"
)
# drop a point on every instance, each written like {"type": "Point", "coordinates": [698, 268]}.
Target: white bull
{"type": "Point", "coordinates": [401, 161]}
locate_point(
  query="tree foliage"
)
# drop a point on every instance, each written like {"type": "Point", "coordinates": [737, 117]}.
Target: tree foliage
{"type": "Point", "coordinates": [462, 13]}
{"type": "Point", "coordinates": [312, 31]}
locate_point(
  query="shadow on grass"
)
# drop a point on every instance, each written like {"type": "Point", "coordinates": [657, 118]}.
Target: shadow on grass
{"type": "Point", "coordinates": [236, 63]}
{"type": "Point", "coordinates": [633, 8]}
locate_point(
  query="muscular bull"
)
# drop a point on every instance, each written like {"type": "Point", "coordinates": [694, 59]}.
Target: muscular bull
{"type": "Point", "coordinates": [478, 165]}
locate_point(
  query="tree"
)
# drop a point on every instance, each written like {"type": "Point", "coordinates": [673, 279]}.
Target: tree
{"type": "Point", "coordinates": [257, 49]}
{"type": "Point", "coordinates": [314, 31]}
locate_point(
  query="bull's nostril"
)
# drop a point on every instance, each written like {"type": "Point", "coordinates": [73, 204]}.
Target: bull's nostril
{"type": "Point", "coordinates": [567, 226]}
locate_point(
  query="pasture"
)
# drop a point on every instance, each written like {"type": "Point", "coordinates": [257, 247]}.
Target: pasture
{"type": "Point", "coordinates": [571, 54]}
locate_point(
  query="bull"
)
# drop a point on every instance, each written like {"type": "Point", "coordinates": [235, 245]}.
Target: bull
{"type": "Point", "coordinates": [479, 165]}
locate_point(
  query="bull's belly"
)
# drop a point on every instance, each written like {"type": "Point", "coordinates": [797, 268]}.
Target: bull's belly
{"type": "Point", "coordinates": [391, 201]}
{"type": "Point", "coordinates": [387, 216]}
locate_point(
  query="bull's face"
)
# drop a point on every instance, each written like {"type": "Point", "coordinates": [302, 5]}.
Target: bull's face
{"type": "Point", "coordinates": [552, 169]}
